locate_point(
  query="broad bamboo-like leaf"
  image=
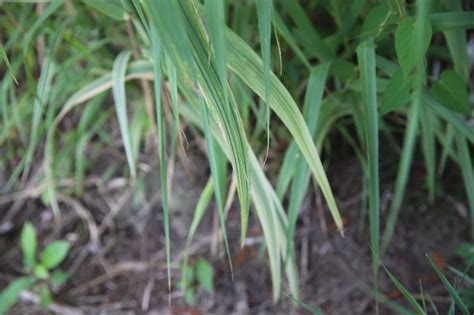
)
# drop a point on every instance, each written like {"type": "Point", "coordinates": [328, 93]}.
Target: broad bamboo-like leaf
{"type": "Point", "coordinates": [214, 11]}
{"type": "Point", "coordinates": [192, 35]}
{"type": "Point", "coordinates": [246, 64]}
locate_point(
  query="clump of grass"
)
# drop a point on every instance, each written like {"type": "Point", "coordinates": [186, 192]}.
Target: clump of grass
{"type": "Point", "coordinates": [207, 71]}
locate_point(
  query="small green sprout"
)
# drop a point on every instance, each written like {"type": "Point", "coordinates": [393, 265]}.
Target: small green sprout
{"type": "Point", "coordinates": [40, 274]}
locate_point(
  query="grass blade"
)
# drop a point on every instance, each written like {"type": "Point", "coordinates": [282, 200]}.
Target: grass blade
{"type": "Point", "coordinates": [42, 94]}
{"type": "Point", "coordinates": [264, 12]}
{"type": "Point", "coordinates": [118, 76]}
{"type": "Point", "coordinates": [246, 64]}
{"type": "Point", "coordinates": [311, 39]}
{"type": "Point", "coordinates": [465, 163]}
{"type": "Point", "coordinates": [453, 118]}
{"type": "Point", "coordinates": [421, 31]}
{"type": "Point", "coordinates": [160, 119]}
{"type": "Point", "coordinates": [311, 110]}
{"type": "Point", "coordinates": [408, 296]}
{"type": "Point", "coordinates": [366, 58]}
{"type": "Point", "coordinates": [214, 11]}
{"type": "Point", "coordinates": [451, 21]}
{"type": "Point", "coordinates": [451, 290]}
{"type": "Point", "coordinates": [209, 83]}
{"type": "Point", "coordinates": [215, 171]}
{"type": "Point", "coordinates": [402, 174]}
{"type": "Point", "coordinates": [429, 150]}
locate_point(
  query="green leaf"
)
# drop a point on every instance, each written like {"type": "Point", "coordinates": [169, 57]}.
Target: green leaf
{"type": "Point", "coordinates": [216, 174]}
{"type": "Point", "coordinates": [10, 294]}
{"type": "Point", "coordinates": [58, 278]}
{"type": "Point", "coordinates": [42, 92]}
{"type": "Point", "coordinates": [111, 8]}
{"type": "Point", "coordinates": [4, 57]}
{"type": "Point", "coordinates": [306, 32]}
{"type": "Point", "coordinates": [405, 42]}
{"type": "Point", "coordinates": [248, 67]}
{"type": "Point", "coordinates": [264, 12]}
{"type": "Point", "coordinates": [41, 272]}
{"type": "Point", "coordinates": [396, 94]}
{"type": "Point", "coordinates": [408, 296]}
{"type": "Point", "coordinates": [45, 297]}
{"type": "Point", "coordinates": [118, 75]}
{"type": "Point", "coordinates": [366, 59]}
{"type": "Point", "coordinates": [189, 295]}
{"type": "Point", "coordinates": [204, 275]}
{"type": "Point", "coordinates": [451, 290]}
{"type": "Point", "coordinates": [28, 37]}
{"type": "Point", "coordinates": [301, 175]}
{"type": "Point", "coordinates": [376, 21]}
{"type": "Point", "coordinates": [209, 84]}
{"type": "Point", "coordinates": [455, 119]}
{"type": "Point", "coordinates": [451, 92]}
{"type": "Point", "coordinates": [54, 254]}
{"type": "Point", "coordinates": [160, 119]}
{"type": "Point", "coordinates": [28, 245]}
{"type": "Point", "coordinates": [449, 21]}
{"type": "Point", "coordinates": [465, 163]}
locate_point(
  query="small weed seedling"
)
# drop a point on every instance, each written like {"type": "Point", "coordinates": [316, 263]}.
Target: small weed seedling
{"type": "Point", "coordinates": [40, 275]}
{"type": "Point", "coordinates": [199, 275]}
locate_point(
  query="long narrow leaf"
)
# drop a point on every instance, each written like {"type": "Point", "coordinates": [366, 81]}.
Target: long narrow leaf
{"type": "Point", "coordinates": [264, 12]}
{"type": "Point", "coordinates": [160, 119]}
{"type": "Point", "coordinates": [366, 58]}
{"type": "Point", "coordinates": [246, 64]}
{"type": "Point", "coordinates": [118, 75]}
